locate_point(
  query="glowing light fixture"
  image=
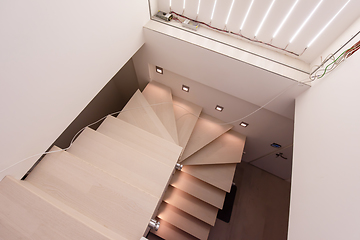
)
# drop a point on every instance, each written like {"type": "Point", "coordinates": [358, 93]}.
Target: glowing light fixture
{"type": "Point", "coordinates": [198, 9]}
{"type": "Point", "coordinates": [184, 5]}
{"type": "Point", "coordinates": [185, 88]}
{"type": "Point", "coordinates": [212, 14]}
{"type": "Point", "coordinates": [227, 19]}
{"type": "Point", "coordinates": [159, 70]}
{"type": "Point", "coordinates": [244, 124]}
{"type": "Point", "coordinates": [246, 15]}
{"type": "Point", "coordinates": [170, 3]}
{"type": "Point", "coordinates": [306, 20]}
{"type": "Point", "coordinates": [262, 22]}
{"type": "Point", "coordinates": [286, 17]}
{"type": "Point", "coordinates": [327, 24]}
{"type": "Point", "coordinates": [219, 108]}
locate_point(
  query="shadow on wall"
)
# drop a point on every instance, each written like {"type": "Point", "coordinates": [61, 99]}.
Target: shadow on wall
{"type": "Point", "coordinates": [111, 98]}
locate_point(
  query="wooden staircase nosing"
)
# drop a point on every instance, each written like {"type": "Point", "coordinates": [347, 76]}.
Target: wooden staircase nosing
{"type": "Point", "coordinates": [170, 232]}
{"type": "Point", "coordinates": [106, 199]}
{"type": "Point", "coordinates": [218, 175]}
{"type": "Point", "coordinates": [122, 161]}
{"type": "Point", "coordinates": [137, 138]}
{"type": "Point", "coordinates": [139, 113]}
{"type": "Point", "coordinates": [26, 212]}
{"type": "Point", "coordinates": [201, 136]}
{"type": "Point", "coordinates": [186, 115]}
{"type": "Point", "coordinates": [160, 98]}
{"type": "Point", "coordinates": [228, 148]}
{"type": "Point", "coordinates": [198, 188]}
{"type": "Point", "coordinates": [191, 205]}
{"type": "Point", "coordinates": [184, 221]}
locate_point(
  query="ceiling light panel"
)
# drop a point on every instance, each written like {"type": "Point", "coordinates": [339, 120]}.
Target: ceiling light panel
{"type": "Point", "coordinates": [221, 13]}
{"type": "Point", "coordinates": [264, 18]}
{"type": "Point", "coordinates": [280, 20]}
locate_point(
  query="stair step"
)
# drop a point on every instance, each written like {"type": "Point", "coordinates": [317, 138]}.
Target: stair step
{"type": "Point", "coordinates": [201, 136]}
{"type": "Point", "coordinates": [186, 115]}
{"type": "Point", "coordinates": [139, 113]}
{"type": "Point", "coordinates": [218, 175]}
{"type": "Point", "coordinates": [170, 232]}
{"type": "Point", "coordinates": [191, 205]}
{"type": "Point", "coordinates": [122, 161]}
{"type": "Point", "coordinates": [184, 221]}
{"type": "Point", "coordinates": [137, 138]}
{"type": "Point", "coordinates": [198, 188]}
{"type": "Point", "coordinates": [160, 97]}
{"type": "Point", "coordinates": [228, 148]}
{"type": "Point", "coordinates": [28, 213]}
{"type": "Point", "coordinates": [121, 207]}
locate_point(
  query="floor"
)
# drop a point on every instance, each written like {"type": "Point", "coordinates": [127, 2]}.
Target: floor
{"type": "Point", "coordinates": [260, 210]}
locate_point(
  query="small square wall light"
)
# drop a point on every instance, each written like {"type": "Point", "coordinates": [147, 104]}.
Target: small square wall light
{"type": "Point", "coordinates": [219, 108]}
{"type": "Point", "coordinates": [244, 124]}
{"type": "Point", "coordinates": [159, 70]}
{"type": "Point", "coordinates": [185, 88]}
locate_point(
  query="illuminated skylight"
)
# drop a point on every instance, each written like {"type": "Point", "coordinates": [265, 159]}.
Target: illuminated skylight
{"type": "Point", "coordinates": [327, 24]}
{"type": "Point", "coordinates": [246, 15]}
{"type": "Point", "coordinates": [262, 22]}
{"type": "Point", "coordinates": [212, 14]}
{"type": "Point", "coordinates": [304, 23]}
{"type": "Point", "coordinates": [198, 9]}
{"type": "Point", "coordinates": [284, 20]}
{"type": "Point", "coordinates": [227, 19]}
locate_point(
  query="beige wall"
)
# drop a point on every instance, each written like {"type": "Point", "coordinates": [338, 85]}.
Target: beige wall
{"type": "Point", "coordinates": [325, 192]}
{"type": "Point", "coordinates": [110, 99]}
{"type": "Point", "coordinates": [55, 57]}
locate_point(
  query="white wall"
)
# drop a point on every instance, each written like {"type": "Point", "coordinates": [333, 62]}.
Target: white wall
{"type": "Point", "coordinates": [55, 57]}
{"type": "Point", "coordinates": [325, 192]}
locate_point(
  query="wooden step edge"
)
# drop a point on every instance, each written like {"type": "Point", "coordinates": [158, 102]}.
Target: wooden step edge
{"type": "Point", "coordinates": [218, 175]}
{"type": "Point", "coordinates": [191, 205]}
{"type": "Point", "coordinates": [67, 210]}
{"type": "Point", "coordinates": [168, 231]}
{"type": "Point", "coordinates": [184, 221]}
{"type": "Point", "coordinates": [140, 103]}
{"type": "Point", "coordinates": [116, 123]}
{"type": "Point", "coordinates": [159, 97]}
{"type": "Point", "coordinates": [186, 116]}
{"type": "Point", "coordinates": [201, 136]}
{"type": "Point", "coordinates": [199, 189]}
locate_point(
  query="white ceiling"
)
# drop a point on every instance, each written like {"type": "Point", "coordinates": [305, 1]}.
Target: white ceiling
{"type": "Point", "coordinates": [327, 9]}
{"type": "Point", "coordinates": [238, 85]}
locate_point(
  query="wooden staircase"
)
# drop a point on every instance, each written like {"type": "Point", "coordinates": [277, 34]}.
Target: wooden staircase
{"type": "Point", "coordinates": [114, 180]}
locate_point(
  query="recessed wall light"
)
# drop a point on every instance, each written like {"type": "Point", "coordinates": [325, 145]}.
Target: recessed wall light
{"type": "Point", "coordinates": [185, 88]}
{"type": "Point", "coordinates": [159, 70]}
{"type": "Point", "coordinates": [219, 108]}
{"type": "Point", "coordinates": [244, 124]}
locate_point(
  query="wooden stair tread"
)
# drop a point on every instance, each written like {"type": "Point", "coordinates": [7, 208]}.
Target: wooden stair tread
{"type": "Point", "coordinates": [160, 97]}
{"type": "Point", "coordinates": [228, 148]}
{"type": "Point", "coordinates": [218, 175]}
{"type": "Point", "coordinates": [139, 113]}
{"type": "Point", "coordinates": [122, 161]}
{"type": "Point", "coordinates": [92, 192]}
{"type": "Point", "coordinates": [186, 115]}
{"type": "Point", "coordinates": [184, 221]}
{"type": "Point", "coordinates": [170, 232]}
{"type": "Point", "coordinates": [28, 213]}
{"type": "Point", "coordinates": [137, 138]}
{"type": "Point", "coordinates": [201, 136]}
{"type": "Point", "coordinates": [198, 188]}
{"type": "Point", "coordinates": [191, 205]}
